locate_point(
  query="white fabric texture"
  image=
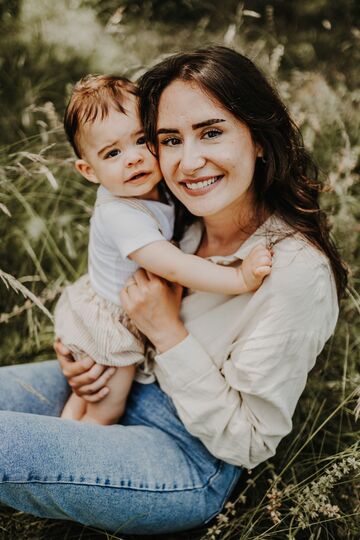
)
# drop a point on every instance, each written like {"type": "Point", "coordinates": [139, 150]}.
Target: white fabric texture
{"type": "Point", "coordinates": [118, 229]}
{"type": "Point", "coordinates": [236, 379]}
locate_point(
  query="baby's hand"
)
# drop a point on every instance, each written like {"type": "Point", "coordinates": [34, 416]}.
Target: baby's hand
{"type": "Point", "coordinates": [255, 267]}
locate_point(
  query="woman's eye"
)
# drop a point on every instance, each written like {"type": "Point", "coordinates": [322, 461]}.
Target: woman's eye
{"type": "Point", "coordinates": [212, 133]}
{"type": "Point", "coordinates": [113, 153]}
{"type": "Point", "coordinates": [170, 141]}
{"type": "Point", "coordinates": [141, 140]}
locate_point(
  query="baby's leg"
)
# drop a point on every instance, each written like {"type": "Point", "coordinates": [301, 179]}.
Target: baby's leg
{"type": "Point", "coordinates": [74, 409]}
{"type": "Point", "coordinates": [110, 409]}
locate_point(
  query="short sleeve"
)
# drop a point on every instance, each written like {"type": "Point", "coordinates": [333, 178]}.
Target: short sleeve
{"type": "Point", "coordinates": [126, 228]}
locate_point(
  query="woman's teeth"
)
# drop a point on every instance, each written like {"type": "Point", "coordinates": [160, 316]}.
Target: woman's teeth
{"type": "Point", "coordinates": [200, 185]}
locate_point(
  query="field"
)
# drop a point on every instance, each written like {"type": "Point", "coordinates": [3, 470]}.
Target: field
{"type": "Point", "coordinates": [311, 489]}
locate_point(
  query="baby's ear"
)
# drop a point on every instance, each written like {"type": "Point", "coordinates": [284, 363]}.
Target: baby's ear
{"type": "Point", "coordinates": [85, 169]}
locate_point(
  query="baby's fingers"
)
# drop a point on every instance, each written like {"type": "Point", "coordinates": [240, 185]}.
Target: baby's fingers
{"type": "Point", "coordinates": [263, 260]}
{"type": "Point", "coordinates": [262, 271]}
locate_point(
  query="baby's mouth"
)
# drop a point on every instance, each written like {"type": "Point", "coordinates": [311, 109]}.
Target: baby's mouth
{"type": "Point", "coordinates": [137, 176]}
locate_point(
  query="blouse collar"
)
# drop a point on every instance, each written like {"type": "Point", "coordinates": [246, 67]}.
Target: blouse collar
{"type": "Point", "coordinates": [271, 230]}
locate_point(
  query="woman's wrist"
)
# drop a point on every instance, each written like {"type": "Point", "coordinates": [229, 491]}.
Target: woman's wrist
{"type": "Point", "coordinates": [168, 339]}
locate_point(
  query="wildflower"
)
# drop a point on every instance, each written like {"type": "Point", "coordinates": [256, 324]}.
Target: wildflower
{"type": "Point", "coordinates": [222, 519]}
{"type": "Point", "coordinates": [230, 507]}
{"type": "Point", "coordinates": [313, 500]}
{"type": "Point", "coordinates": [213, 532]}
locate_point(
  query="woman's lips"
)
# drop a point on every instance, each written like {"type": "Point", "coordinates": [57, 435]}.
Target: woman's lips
{"type": "Point", "coordinates": [201, 186]}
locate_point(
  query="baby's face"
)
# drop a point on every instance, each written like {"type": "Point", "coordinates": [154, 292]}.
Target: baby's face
{"type": "Point", "coordinates": [116, 155]}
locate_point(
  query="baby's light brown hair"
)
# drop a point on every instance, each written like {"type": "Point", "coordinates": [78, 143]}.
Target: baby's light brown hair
{"type": "Point", "coordinates": [93, 96]}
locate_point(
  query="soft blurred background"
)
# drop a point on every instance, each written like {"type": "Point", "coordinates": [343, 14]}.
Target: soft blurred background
{"type": "Point", "coordinates": [311, 50]}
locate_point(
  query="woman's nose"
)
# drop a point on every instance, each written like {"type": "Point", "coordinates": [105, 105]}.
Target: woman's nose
{"type": "Point", "coordinates": [191, 159]}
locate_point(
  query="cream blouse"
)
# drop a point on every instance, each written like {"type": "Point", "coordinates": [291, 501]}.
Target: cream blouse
{"type": "Point", "coordinates": [236, 379]}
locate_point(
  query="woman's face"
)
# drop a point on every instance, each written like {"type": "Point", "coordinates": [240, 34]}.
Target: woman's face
{"type": "Point", "coordinates": [207, 156]}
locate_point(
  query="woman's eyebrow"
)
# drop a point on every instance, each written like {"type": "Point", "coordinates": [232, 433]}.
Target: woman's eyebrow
{"type": "Point", "coordinates": [166, 130]}
{"type": "Point", "coordinates": [205, 123]}
{"type": "Point", "coordinates": [208, 123]}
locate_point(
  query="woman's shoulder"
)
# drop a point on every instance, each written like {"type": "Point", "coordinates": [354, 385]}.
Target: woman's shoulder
{"type": "Point", "coordinates": [291, 246]}
{"type": "Point", "coordinates": [300, 270]}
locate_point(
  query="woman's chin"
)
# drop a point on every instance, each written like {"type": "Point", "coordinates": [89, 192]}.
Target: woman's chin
{"type": "Point", "coordinates": [204, 203]}
{"type": "Point", "coordinates": [202, 208]}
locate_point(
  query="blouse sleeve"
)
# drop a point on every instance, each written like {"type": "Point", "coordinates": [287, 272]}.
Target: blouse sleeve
{"type": "Point", "coordinates": [243, 411]}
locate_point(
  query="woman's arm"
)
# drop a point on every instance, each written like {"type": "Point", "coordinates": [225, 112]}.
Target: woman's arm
{"type": "Point", "coordinates": [167, 261]}
{"type": "Point", "coordinates": [154, 305]}
{"type": "Point", "coordinates": [242, 412]}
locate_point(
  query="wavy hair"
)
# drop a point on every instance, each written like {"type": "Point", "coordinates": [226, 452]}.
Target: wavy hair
{"type": "Point", "coordinates": [286, 180]}
{"type": "Point", "coordinates": [92, 97]}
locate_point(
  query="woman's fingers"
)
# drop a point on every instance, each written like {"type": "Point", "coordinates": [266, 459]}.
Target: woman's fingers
{"type": "Point", "coordinates": [73, 368]}
{"type": "Point", "coordinates": [96, 390]}
{"type": "Point", "coordinates": [62, 351]}
{"type": "Point", "coordinates": [133, 287]}
{"type": "Point", "coordinates": [69, 367]}
{"type": "Point", "coordinates": [86, 378]}
{"type": "Point", "coordinates": [94, 398]}
{"type": "Point", "coordinates": [141, 277]}
{"type": "Point", "coordinates": [91, 377]}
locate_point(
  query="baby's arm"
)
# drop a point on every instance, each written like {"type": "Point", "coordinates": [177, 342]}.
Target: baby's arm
{"type": "Point", "coordinates": [164, 259]}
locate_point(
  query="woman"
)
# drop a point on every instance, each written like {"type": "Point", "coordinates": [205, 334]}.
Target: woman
{"type": "Point", "coordinates": [230, 369]}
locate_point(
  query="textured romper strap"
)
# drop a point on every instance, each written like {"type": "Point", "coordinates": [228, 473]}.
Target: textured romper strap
{"type": "Point", "coordinates": [134, 203]}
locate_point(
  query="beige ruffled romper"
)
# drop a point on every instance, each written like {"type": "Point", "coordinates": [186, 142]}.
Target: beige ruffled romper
{"type": "Point", "coordinates": [90, 325]}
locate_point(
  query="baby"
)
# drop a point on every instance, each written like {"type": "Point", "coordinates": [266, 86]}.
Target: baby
{"type": "Point", "coordinates": [131, 227]}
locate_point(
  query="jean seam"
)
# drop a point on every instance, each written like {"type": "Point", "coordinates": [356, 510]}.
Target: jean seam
{"type": "Point", "coordinates": [108, 486]}
{"type": "Point", "coordinates": [226, 496]}
{"type": "Point", "coordinates": [209, 481]}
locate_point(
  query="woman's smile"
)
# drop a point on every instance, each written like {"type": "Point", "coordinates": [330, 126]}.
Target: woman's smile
{"type": "Point", "coordinates": [207, 156]}
{"type": "Point", "coordinates": [201, 186]}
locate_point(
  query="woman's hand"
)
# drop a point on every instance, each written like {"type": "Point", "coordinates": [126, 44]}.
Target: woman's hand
{"type": "Point", "coordinates": [153, 305]}
{"type": "Point", "coordinates": [86, 378]}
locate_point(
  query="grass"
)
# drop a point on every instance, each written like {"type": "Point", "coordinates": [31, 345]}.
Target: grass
{"type": "Point", "coordinates": [311, 488]}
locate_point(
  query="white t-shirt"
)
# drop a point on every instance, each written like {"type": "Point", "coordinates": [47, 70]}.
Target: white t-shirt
{"type": "Point", "coordinates": [118, 229]}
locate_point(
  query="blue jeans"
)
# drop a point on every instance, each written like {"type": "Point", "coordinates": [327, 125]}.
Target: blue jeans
{"type": "Point", "coordinates": [145, 475]}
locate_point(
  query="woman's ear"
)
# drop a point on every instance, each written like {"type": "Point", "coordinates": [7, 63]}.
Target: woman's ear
{"type": "Point", "coordinates": [259, 151]}
{"type": "Point", "coordinates": [85, 169]}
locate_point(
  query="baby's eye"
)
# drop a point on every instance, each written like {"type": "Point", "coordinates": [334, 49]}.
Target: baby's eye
{"type": "Point", "coordinates": [112, 153]}
{"type": "Point", "coordinates": [212, 133]}
{"type": "Point", "coordinates": [170, 141]}
{"type": "Point", "coordinates": [141, 140]}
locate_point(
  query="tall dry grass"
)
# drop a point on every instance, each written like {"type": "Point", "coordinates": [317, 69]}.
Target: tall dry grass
{"type": "Point", "coordinates": [311, 489]}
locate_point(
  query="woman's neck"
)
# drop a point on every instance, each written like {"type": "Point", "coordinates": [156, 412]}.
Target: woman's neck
{"type": "Point", "coordinates": [225, 233]}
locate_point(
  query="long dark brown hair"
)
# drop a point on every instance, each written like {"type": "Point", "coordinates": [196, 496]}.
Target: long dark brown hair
{"type": "Point", "coordinates": [286, 181]}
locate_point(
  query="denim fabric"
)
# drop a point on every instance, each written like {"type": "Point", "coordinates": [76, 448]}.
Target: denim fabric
{"type": "Point", "coordinates": [145, 475]}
